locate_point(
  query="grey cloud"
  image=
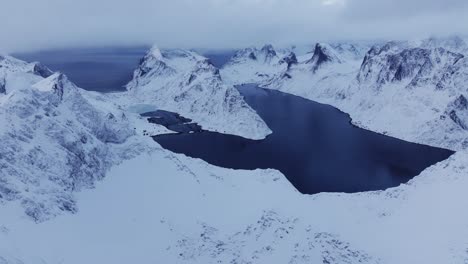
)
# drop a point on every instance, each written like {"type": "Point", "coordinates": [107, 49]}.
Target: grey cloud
{"type": "Point", "coordinates": [32, 24]}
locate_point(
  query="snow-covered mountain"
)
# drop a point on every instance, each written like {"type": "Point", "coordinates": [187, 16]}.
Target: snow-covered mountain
{"type": "Point", "coordinates": [59, 141]}
{"type": "Point", "coordinates": [53, 140]}
{"type": "Point", "coordinates": [187, 83]}
{"type": "Point", "coordinates": [323, 54]}
{"type": "Point", "coordinates": [454, 44]}
{"type": "Point", "coordinates": [253, 64]}
{"type": "Point", "coordinates": [405, 89]}
{"type": "Point", "coordinates": [249, 66]}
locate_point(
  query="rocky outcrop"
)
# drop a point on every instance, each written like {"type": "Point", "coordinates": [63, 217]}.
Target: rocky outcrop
{"type": "Point", "coordinates": [323, 54]}
{"type": "Point", "coordinates": [268, 53]}
{"type": "Point", "coordinates": [289, 60]}
{"type": "Point", "coordinates": [41, 70]}
{"type": "Point", "coordinates": [414, 66]}
{"type": "Point", "coordinates": [458, 112]}
{"type": "Point", "coordinates": [2, 85]}
{"type": "Point", "coordinates": [204, 67]}
{"type": "Point", "coordinates": [151, 66]}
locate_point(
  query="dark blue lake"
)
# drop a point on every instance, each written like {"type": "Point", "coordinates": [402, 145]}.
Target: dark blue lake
{"type": "Point", "coordinates": [314, 145]}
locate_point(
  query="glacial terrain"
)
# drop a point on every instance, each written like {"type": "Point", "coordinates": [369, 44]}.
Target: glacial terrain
{"type": "Point", "coordinates": [82, 181]}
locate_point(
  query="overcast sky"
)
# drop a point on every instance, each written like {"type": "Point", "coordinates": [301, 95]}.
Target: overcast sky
{"type": "Point", "coordinates": [34, 24]}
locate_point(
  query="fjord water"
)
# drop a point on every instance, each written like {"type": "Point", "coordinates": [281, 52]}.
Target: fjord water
{"type": "Point", "coordinates": [103, 69]}
{"type": "Point", "coordinates": [314, 145]}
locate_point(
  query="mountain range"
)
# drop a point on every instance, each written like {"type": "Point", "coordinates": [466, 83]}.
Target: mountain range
{"type": "Point", "coordinates": [81, 181]}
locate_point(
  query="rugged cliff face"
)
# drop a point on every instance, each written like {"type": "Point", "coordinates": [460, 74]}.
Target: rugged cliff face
{"type": "Point", "coordinates": [411, 67]}
{"type": "Point", "coordinates": [323, 54]}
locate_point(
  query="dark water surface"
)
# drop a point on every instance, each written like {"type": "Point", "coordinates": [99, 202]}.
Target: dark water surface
{"type": "Point", "coordinates": [313, 144]}
{"type": "Point", "coordinates": [218, 57]}
{"type": "Point", "coordinates": [104, 69]}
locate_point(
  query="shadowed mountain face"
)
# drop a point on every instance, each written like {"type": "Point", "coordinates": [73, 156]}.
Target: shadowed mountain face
{"type": "Point", "coordinates": [313, 144]}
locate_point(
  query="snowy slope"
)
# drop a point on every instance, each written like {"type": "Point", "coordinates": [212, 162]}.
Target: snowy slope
{"type": "Point", "coordinates": [187, 211]}
{"type": "Point", "coordinates": [184, 82]}
{"type": "Point", "coordinates": [53, 140]}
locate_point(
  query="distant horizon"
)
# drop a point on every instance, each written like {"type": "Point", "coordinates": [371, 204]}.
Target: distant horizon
{"type": "Point", "coordinates": [83, 47]}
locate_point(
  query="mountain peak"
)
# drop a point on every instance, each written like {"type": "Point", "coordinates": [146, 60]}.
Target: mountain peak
{"type": "Point", "coordinates": [57, 84]}
{"type": "Point", "coordinates": [40, 70]}
{"type": "Point", "coordinates": [395, 63]}
{"type": "Point", "coordinates": [268, 52]}
{"type": "Point", "coordinates": [268, 49]}
{"type": "Point", "coordinates": [155, 52]}
{"type": "Point", "coordinates": [452, 43]}
{"type": "Point", "coordinates": [323, 53]}
{"type": "Point", "coordinates": [289, 59]}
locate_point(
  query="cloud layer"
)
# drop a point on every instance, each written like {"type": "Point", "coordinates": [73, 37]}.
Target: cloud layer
{"type": "Point", "coordinates": [31, 24]}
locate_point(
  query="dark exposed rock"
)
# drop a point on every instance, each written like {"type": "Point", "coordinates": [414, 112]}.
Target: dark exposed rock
{"type": "Point", "coordinates": [393, 63]}
{"type": "Point", "coordinates": [268, 49]}
{"type": "Point", "coordinates": [290, 60]}
{"type": "Point", "coordinates": [249, 53]}
{"type": "Point", "coordinates": [58, 86]}
{"type": "Point", "coordinates": [455, 118]}
{"type": "Point", "coordinates": [286, 76]}
{"type": "Point", "coordinates": [461, 103]}
{"type": "Point", "coordinates": [319, 56]}
{"type": "Point", "coordinates": [322, 54]}
{"type": "Point", "coordinates": [404, 64]}
{"type": "Point", "coordinates": [269, 52]}
{"type": "Point", "coordinates": [41, 70]}
{"type": "Point", "coordinates": [2, 86]}
{"type": "Point", "coordinates": [265, 54]}
{"type": "Point", "coordinates": [458, 111]}
{"type": "Point", "coordinates": [158, 68]}
{"type": "Point", "coordinates": [165, 118]}
{"type": "Point", "coordinates": [172, 121]}
{"type": "Point", "coordinates": [191, 78]}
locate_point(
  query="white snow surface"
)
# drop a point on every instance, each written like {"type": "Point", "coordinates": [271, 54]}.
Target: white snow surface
{"type": "Point", "coordinates": [166, 208]}
{"type": "Point", "coordinates": [157, 207]}
{"type": "Point", "coordinates": [187, 83]}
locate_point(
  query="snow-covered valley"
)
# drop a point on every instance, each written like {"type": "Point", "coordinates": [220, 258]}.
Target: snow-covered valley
{"type": "Point", "coordinates": [81, 181]}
